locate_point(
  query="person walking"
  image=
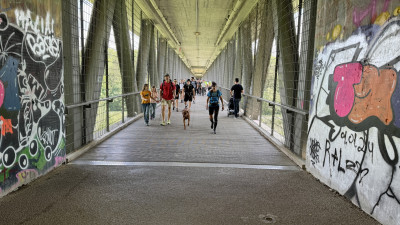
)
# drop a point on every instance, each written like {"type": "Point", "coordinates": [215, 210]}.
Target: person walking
{"type": "Point", "coordinates": [145, 94]}
{"type": "Point", "coordinates": [181, 84]}
{"type": "Point", "coordinates": [194, 84]}
{"type": "Point", "coordinates": [213, 98]}
{"type": "Point", "coordinates": [167, 94]}
{"type": "Point", "coordinates": [177, 92]}
{"type": "Point", "coordinates": [236, 92]}
{"type": "Point", "coordinates": [189, 92]}
{"type": "Point", "coordinates": [153, 102]}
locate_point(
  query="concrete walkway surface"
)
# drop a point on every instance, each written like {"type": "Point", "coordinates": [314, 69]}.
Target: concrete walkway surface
{"type": "Point", "coordinates": [166, 175]}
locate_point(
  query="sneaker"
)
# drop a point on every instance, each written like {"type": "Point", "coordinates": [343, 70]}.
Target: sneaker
{"type": "Point", "coordinates": [181, 101]}
{"type": "Point", "coordinates": [168, 122]}
{"type": "Point", "coordinates": [215, 132]}
{"type": "Point", "coordinates": [177, 110]}
{"type": "Point", "coordinates": [173, 108]}
{"type": "Point", "coordinates": [162, 123]}
{"type": "Point", "coordinates": [147, 124]}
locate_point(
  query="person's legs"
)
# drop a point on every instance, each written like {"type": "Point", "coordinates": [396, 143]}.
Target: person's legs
{"type": "Point", "coordinates": [163, 104]}
{"type": "Point", "coordinates": [216, 118]}
{"type": "Point", "coordinates": [190, 104]}
{"type": "Point", "coordinates": [210, 112]}
{"type": "Point", "coordinates": [146, 112]}
{"type": "Point", "coordinates": [181, 96]}
{"type": "Point", "coordinates": [236, 106]}
{"type": "Point", "coordinates": [153, 111]}
{"type": "Point", "coordinates": [169, 111]}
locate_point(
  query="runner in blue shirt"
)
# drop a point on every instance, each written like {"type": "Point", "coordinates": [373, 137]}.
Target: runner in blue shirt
{"type": "Point", "coordinates": [213, 98]}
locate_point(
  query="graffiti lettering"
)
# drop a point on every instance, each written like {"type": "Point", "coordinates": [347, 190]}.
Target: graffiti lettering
{"type": "Point", "coordinates": [48, 136]}
{"type": "Point", "coordinates": [356, 103]}
{"type": "Point", "coordinates": [42, 42]}
{"type": "Point", "coordinates": [43, 46]}
{"type": "Point", "coordinates": [314, 151]}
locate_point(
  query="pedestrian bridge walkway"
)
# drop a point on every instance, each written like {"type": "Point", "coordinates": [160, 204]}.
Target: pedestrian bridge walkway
{"type": "Point", "coordinates": [168, 175]}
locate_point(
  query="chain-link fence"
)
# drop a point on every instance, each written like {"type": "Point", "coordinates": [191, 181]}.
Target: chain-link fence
{"type": "Point", "coordinates": [271, 54]}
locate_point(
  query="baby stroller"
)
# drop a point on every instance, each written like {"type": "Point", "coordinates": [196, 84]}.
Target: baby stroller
{"type": "Point", "coordinates": [231, 107]}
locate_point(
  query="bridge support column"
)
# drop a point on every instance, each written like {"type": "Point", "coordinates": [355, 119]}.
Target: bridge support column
{"type": "Point", "coordinates": [265, 41]}
{"type": "Point", "coordinates": [305, 74]}
{"type": "Point", "coordinates": [288, 65]}
{"type": "Point", "coordinates": [144, 52]}
{"type": "Point", "coordinates": [122, 40]}
{"type": "Point", "coordinates": [92, 63]}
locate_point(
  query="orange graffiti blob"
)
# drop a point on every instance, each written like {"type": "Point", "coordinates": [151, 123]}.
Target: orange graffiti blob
{"type": "Point", "coordinates": [6, 127]}
{"type": "Point", "coordinates": [373, 94]}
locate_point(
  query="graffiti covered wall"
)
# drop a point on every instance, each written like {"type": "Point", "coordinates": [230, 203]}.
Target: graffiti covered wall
{"type": "Point", "coordinates": [32, 136]}
{"type": "Point", "coordinates": [354, 124]}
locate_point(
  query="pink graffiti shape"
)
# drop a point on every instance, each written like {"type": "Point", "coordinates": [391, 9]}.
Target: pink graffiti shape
{"type": "Point", "coordinates": [1, 93]}
{"type": "Point", "coordinates": [346, 76]}
{"type": "Point", "coordinates": [358, 16]}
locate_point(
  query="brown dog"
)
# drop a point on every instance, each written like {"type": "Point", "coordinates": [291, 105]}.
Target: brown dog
{"type": "Point", "coordinates": [186, 116]}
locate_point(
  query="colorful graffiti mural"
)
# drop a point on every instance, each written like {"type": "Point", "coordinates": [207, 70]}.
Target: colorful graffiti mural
{"type": "Point", "coordinates": [354, 125]}
{"type": "Point", "coordinates": [31, 97]}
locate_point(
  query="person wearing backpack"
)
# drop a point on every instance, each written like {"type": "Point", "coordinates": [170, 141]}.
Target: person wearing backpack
{"type": "Point", "coordinates": [213, 98]}
{"type": "Point", "coordinates": [167, 94]}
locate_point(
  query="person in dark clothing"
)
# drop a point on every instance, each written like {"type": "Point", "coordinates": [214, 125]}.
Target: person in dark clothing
{"type": "Point", "coordinates": [177, 92]}
{"type": "Point", "coordinates": [189, 92]}
{"type": "Point", "coordinates": [213, 98]}
{"type": "Point", "coordinates": [236, 92]}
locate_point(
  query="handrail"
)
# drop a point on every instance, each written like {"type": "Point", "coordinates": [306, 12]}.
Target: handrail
{"type": "Point", "coordinates": [289, 108]}
{"type": "Point", "coordinates": [99, 100]}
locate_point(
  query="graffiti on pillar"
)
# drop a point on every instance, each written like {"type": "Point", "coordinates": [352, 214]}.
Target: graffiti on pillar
{"type": "Point", "coordinates": [360, 14]}
{"type": "Point", "coordinates": [32, 139]}
{"type": "Point", "coordinates": [355, 117]}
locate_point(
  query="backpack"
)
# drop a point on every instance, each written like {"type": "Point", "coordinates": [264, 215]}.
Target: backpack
{"type": "Point", "coordinates": [162, 88]}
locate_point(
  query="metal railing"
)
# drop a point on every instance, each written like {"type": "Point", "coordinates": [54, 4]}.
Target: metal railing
{"type": "Point", "coordinates": [102, 116]}
{"type": "Point", "coordinates": [268, 115]}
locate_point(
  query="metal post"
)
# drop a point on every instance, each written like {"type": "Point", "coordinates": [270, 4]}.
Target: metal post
{"type": "Point", "coordinates": [133, 34]}
{"type": "Point", "coordinates": [107, 87]}
{"type": "Point", "coordinates": [122, 68]}
{"type": "Point", "coordinates": [83, 94]}
{"type": "Point", "coordinates": [260, 120]}
{"type": "Point", "coordinates": [255, 39]}
{"type": "Point", "coordinates": [275, 79]}
{"type": "Point", "coordinates": [298, 24]}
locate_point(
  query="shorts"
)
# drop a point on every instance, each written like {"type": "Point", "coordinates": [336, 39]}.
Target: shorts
{"type": "Point", "coordinates": [166, 102]}
{"type": "Point", "coordinates": [212, 109]}
{"type": "Point", "coordinates": [177, 96]}
{"type": "Point", "coordinates": [188, 98]}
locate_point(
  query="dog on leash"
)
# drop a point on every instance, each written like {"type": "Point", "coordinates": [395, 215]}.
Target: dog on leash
{"type": "Point", "coordinates": [186, 116]}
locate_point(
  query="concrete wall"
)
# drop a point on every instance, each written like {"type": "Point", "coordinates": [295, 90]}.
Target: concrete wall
{"type": "Point", "coordinates": [354, 124]}
{"type": "Point", "coordinates": [32, 139]}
